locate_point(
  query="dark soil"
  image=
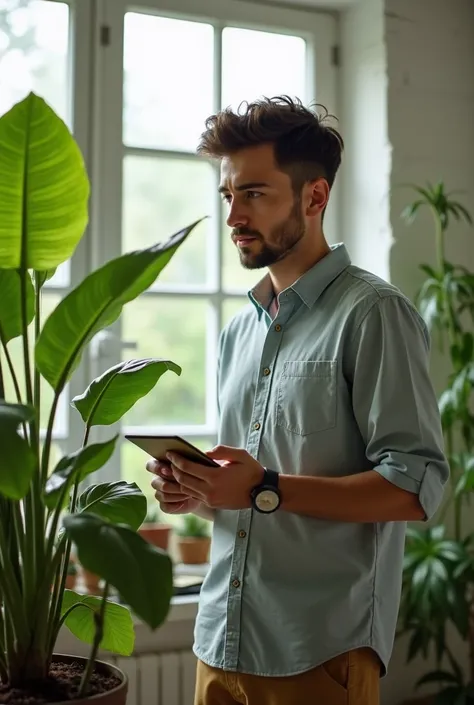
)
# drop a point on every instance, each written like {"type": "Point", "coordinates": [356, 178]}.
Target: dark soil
{"type": "Point", "coordinates": [62, 684]}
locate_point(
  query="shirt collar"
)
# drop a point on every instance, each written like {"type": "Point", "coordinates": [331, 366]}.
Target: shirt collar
{"type": "Point", "coordinates": [310, 285]}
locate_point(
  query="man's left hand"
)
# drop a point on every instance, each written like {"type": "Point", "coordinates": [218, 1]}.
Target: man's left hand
{"type": "Point", "coordinates": [226, 487]}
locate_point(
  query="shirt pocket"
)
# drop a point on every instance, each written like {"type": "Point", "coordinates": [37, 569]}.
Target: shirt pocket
{"type": "Point", "coordinates": [306, 396]}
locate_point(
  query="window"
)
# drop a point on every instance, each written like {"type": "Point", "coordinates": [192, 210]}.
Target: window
{"type": "Point", "coordinates": [36, 55]}
{"type": "Point", "coordinates": [136, 84]}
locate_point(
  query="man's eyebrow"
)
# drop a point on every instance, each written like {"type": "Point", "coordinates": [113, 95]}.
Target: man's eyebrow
{"type": "Point", "coordinates": [246, 186]}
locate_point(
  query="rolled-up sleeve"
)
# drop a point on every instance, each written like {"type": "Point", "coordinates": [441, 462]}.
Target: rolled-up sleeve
{"type": "Point", "coordinates": [394, 401]}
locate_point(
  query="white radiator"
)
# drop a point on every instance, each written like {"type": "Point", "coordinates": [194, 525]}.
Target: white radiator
{"type": "Point", "coordinates": [160, 679]}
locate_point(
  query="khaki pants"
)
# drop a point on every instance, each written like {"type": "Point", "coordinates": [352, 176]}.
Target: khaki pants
{"type": "Point", "coordinates": [349, 679]}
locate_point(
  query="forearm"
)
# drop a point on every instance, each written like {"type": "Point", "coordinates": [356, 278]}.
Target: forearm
{"type": "Point", "coordinates": [205, 512]}
{"type": "Point", "coordinates": [360, 498]}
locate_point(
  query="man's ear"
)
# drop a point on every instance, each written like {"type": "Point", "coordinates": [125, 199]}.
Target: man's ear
{"type": "Point", "coordinates": [317, 197]}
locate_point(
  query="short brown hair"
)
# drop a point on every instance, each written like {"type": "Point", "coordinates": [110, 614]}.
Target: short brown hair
{"type": "Point", "coordinates": [305, 146]}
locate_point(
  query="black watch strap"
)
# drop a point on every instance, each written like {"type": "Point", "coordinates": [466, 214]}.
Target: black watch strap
{"type": "Point", "coordinates": [270, 478]}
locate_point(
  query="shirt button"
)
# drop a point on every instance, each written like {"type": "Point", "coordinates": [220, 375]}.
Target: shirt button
{"type": "Point", "coordinates": [266, 371]}
{"type": "Point", "coordinates": [278, 327]}
{"type": "Point", "coordinates": [236, 583]}
{"type": "Point", "coordinates": [256, 426]}
{"type": "Point", "coordinates": [242, 534]}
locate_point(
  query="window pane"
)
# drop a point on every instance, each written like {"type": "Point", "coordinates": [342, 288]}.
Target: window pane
{"type": "Point", "coordinates": [15, 348]}
{"type": "Point", "coordinates": [34, 52]}
{"type": "Point", "coordinates": [168, 83]}
{"type": "Point", "coordinates": [230, 307]}
{"type": "Point", "coordinates": [234, 276]}
{"type": "Point", "coordinates": [246, 77]}
{"type": "Point", "coordinates": [161, 196]}
{"type": "Point", "coordinates": [174, 329]}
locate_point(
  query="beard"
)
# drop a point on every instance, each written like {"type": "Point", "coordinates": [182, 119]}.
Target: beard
{"type": "Point", "coordinates": [281, 240]}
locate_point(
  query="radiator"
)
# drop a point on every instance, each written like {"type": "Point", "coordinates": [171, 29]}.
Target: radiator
{"type": "Point", "coordinates": [160, 679]}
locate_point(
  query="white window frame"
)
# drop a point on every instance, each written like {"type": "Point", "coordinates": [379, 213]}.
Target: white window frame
{"type": "Point", "coordinates": [107, 151]}
{"type": "Point", "coordinates": [68, 433]}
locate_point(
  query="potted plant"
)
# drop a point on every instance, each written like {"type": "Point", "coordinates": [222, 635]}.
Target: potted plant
{"type": "Point", "coordinates": [43, 512]}
{"type": "Point", "coordinates": [153, 530]}
{"type": "Point", "coordinates": [193, 539]}
{"type": "Point", "coordinates": [438, 579]}
{"type": "Point", "coordinates": [71, 575]}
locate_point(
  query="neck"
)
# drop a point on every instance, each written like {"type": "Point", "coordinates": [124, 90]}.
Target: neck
{"type": "Point", "coordinates": [301, 259]}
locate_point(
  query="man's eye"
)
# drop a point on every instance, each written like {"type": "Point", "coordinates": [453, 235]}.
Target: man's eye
{"type": "Point", "coordinates": [226, 197]}
{"type": "Point", "coordinates": [253, 194]}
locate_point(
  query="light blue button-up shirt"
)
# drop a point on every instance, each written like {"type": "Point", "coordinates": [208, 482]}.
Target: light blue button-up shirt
{"type": "Point", "coordinates": [338, 383]}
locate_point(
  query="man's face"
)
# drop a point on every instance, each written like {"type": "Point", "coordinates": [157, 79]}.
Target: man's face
{"type": "Point", "coordinates": [265, 216]}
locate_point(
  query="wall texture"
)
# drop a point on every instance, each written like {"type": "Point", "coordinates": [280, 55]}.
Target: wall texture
{"type": "Point", "coordinates": [407, 98]}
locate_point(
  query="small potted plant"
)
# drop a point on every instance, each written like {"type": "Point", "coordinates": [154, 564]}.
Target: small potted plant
{"type": "Point", "coordinates": [194, 540]}
{"type": "Point", "coordinates": [71, 576]}
{"type": "Point", "coordinates": [153, 530]}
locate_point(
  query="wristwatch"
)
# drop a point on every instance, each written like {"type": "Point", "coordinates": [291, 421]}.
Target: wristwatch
{"type": "Point", "coordinates": [266, 497]}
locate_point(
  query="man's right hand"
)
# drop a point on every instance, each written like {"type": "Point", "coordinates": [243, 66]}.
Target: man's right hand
{"type": "Point", "coordinates": [167, 491]}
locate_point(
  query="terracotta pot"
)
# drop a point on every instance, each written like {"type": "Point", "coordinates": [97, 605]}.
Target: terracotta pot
{"type": "Point", "coordinates": [194, 550]}
{"type": "Point", "coordinates": [91, 581]}
{"type": "Point", "coordinates": [71, 581]}
{"type": "Point", "coordinates": [156, 534]}
{"type": "Point", "coordinates": [117, 696]}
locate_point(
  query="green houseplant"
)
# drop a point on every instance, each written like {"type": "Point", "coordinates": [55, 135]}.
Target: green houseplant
{"type": "Point", "coordinates": [438, 581]}
{"type": "Point", "coordinates": [193, 539]}
{"type": "Point", "coordinates": [43, 512]}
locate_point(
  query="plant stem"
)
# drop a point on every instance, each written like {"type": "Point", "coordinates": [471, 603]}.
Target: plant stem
{"type": "Point", "coordinates": [99, 633]}
{"type": "Point", "coordinates": [471, 636]}
{"type": "Point", "coordinates": [10, 590]}
{"type": "Point", "coordinates": [3, 661]}
{"type": "Point", "coordinates": [55, 612]}
{"type": "Point", "coordinates": [48, 439]}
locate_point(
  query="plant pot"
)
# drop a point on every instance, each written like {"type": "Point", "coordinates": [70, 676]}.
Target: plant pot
{"type": "Point", "coordinates": [71, 582]}
{"type": "Point", "coordinates": [156, 534]}
{"type": "Point", "coordinates": [194, 550]}
{"type": "Point", "coordinates": [115, 696]}
{"type": "Point", "coordinates": [91, 582]}
{"type": "Point", "coordinates": [423, 700]}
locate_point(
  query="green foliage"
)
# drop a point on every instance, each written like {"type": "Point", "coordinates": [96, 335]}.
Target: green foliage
{"type": "Point", "coordinates": [43, 188]}
{"type": "Point", "coordinates": [192, 525]}
{"type": "Point", "coordinates": [78, 613]}
{"type": "Point", "coordinates": [112, 394]}
{"type": "Point", "coordinates": [43, 213]}
{"type": "Point", "coordinates": [438, 578]}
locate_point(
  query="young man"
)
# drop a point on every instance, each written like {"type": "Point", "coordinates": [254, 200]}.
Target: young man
{"type": "Point", "coordinates": [330, 437]}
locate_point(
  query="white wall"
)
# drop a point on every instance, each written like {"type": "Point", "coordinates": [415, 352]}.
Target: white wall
{"type": "Point", "coordinates": [407, 104]}
{"type": "Point", "coordinates": [365, 173]}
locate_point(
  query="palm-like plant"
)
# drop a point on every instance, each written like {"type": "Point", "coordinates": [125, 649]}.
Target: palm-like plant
{"type": "Point", "coordinates": [438, 585]}
{"type": "Point", "coordinates": [43, 213]}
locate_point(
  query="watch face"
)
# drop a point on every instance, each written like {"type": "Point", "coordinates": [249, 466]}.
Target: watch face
{"type": "Point", "coordinates": [267, 501]}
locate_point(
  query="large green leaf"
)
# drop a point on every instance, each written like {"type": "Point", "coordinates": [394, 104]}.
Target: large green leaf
{"type": "Point", "coordinates": [43, 188]}
{"type": "Point", "coordinates": [119, 634]}
{"type": "Point", "coordinates": [10, 304]}
{"type": "Point", "coordinates": [17, 460]}
{"type": "Point", "coordinates": [114, 393]}
{"type": "Point", "coordinates": [76, 466]}
{"type": "Point", "coordinates": [141, 573]}
{"type": "Point", "coordinates": [95, 304]}
{"type": "Point", "coordinates": [119, 502]}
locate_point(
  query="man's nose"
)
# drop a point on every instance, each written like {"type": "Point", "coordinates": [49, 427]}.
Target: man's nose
{"type": "Point", "coordinates": [237, 218]}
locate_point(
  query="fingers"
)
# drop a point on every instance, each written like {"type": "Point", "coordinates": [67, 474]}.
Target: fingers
{"type": "Point", "coordinates": [168, 491]}
{"type": "Point", "coordinates": [173, 507]}
{"type": "Point", "coordinates": [228, 453]}
{"type": "Point", "coordinates": [158, 467]}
